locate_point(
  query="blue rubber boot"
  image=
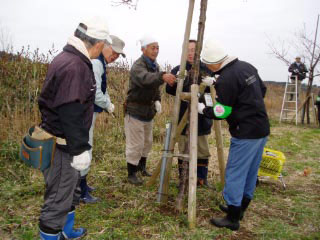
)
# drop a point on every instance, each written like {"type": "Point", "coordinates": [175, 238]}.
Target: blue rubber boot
{"type": "Point", "coordinates": [49, 236]}
{"type": "Point", "coordinates": [69, 232]}
{"type": "Point", "coordinates": [85, 196]}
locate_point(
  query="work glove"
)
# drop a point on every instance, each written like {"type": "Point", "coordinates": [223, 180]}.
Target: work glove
{"type": "Point", "coordinates": [158, 106]}
{"type": "Point", "coordinates": [185, 73]}
{"type": "Point", "coordinates": [81, 161]}
{"type": "Point", "coordinates": [208, 81]}
{"type": "Point", "coordinates": [110, 108]}
{"type": "Point", "coordinates": [201, 106]}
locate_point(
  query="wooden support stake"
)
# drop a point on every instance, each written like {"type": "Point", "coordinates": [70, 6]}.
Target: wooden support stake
{"type": "Point", "coordinates": [219, 141]}
{"type": "Point", "coordinates": [185, 96]}
{"type": "Point", "coordinates": [176, 109]}
{"type": "Point", "coordinates": [192, 196]}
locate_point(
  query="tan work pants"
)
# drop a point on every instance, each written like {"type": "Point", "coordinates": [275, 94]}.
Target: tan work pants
{"type": "Point", "coordinates": [203, 146]}
{"type": "Point", "coordinates": [138, 139]}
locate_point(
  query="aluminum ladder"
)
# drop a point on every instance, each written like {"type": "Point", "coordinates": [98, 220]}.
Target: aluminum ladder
{"type": "Point", "coordinates": [290, 101]}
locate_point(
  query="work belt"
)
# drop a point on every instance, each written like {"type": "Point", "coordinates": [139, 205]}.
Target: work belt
{"type": "Point", "coordinates": [38, 148]}
{"type": "Point", "coordinates": [41, 134]}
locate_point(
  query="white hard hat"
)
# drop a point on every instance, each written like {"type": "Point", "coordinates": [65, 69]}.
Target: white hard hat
{"type": "Point", "coordinates": [212, 52]}
{"type": "Point", "coordinates": [97, 28]}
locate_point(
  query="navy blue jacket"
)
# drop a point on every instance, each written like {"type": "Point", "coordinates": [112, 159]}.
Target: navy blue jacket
{"type": "Point", "coordinates": [204, 123]}
{"type": "Point", "coordinates": [240, 87]}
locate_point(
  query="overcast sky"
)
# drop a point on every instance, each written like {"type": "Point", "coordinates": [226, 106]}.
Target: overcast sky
{"type": "Point", "coordinates": [240, 25]}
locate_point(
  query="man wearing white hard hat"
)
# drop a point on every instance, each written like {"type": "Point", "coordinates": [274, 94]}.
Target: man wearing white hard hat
{"type": "Point", "coordinates": [102, 102]}
{"type": "Point", "coordinates": [66, 106]}
{"type": "Point", "coordinates": [142, 103]}
{"type": "Point", "coordinates": [240, 93]}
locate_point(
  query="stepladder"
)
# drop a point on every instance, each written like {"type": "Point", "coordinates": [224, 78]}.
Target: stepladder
{"type": "Point", "coordinates": [289, 109]}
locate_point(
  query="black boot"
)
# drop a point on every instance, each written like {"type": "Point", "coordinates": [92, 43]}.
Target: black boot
{"type": "Point", "coordinates": [244, 205]}
{"type": "Point", "coordinates": [230, 221]}
{"type": "Point", "coordinates": [132, 178]}
{"type": "Point", "coordinates": [85, 195]}
{"type": "Point", "coordinates": [142, 167]}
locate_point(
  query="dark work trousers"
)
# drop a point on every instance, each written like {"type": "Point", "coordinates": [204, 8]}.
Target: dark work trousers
{"type": "Point", "coordinates": [62, 192]}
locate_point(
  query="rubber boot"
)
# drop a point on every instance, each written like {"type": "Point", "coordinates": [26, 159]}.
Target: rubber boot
{"type": "Point", "coordinates": [142, 167]}
{"type": "Point", "coordinates": [69, 232]}
{"type": "Point", "coordinates": [231, 221]}
{"type": "Point", "coordinates": [132, 178]}
{"type": "Point", "coordinates": [244, 205]}
{"type": "Point", "coordinates": [85, 195]}
{"type": "Point", "coordinates": [202, 173]}
{"type": "Point", "coordinates": [90, 188]}
{"type": "Point", "coordinates": [50, 236]}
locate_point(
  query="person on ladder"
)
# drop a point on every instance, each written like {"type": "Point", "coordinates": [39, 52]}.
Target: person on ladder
{"type": "Point", "coordinates": [298, 71]}
{"type": "Point", "coordinates": [204, 123]}
{"type": "Point", "coordinates": [240, 93]}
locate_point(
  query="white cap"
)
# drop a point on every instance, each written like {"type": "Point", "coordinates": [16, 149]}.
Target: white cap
{"type": "Point", "coordinates": [212, 52]}
{"type": "Point", "coordinates": [146, 40]}
{"type": "Point", "coordinates": [97, 28]}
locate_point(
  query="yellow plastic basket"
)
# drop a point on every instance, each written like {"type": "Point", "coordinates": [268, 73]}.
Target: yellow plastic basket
{"type": "Point", "coordinates": [271, 163]}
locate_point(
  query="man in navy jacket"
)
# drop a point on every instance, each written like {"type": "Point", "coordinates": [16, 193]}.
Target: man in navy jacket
{"type": "Point", "coordinates": [204, 123]}
{"type": "Point", "coordinates": [240, 93]}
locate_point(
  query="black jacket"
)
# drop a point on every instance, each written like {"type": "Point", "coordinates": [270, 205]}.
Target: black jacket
{"type": "Point", "coordinates": [66, 100]}
{"type": "Point", "coordinates": [240, 87]}
{"type": "Point", "coordinates": [204, 123]}
{"type": "Point", "coordinates": [298, 70]}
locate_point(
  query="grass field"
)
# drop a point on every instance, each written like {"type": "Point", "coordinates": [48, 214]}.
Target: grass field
{"type": "Point", "coordinates": [127, 212]}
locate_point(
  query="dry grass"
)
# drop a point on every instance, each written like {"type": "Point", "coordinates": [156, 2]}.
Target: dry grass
{"type": "Point", "coordinates": [126, 212]}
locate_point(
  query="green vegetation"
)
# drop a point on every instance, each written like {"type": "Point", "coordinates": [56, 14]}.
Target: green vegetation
{"type": "Point", "coordinates": [127, 212]}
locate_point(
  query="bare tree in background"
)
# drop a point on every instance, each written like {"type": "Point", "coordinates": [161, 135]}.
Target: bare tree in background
{"type": "Point", "coordinates": [309, 50]}
{"type": "Point", "coordinates": [129, 3]}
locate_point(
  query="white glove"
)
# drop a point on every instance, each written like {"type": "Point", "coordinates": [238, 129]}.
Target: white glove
{"type": "Point", "coordinates": [158, 106]}
{"type": "Point", "coordinates": [201, 106]}
{"type": "Point", "coordinates": [81, 161]}
{"type": "Point", "coordinates": [185, 73]}
{"type": "Point", "coordinates": [296, 70]}
{"type": "Point", "coordinates": [110, 108]}
{"type": "Point", "coordinates": [208, 81]}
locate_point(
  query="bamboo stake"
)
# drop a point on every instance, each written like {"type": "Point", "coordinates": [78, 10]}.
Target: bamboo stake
{"type": "Point", "coordinates": [217, 131]}
{"type": "Point", "coordinates": [192, 196]}
{"type": "Point", "coordinates": [179, 130]}
{"type": "Point", "coordinates": [193, 139]}
{"type": "Point", "coordinates": [175, 116]}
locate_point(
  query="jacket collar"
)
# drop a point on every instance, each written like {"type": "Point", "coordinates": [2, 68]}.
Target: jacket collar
{"type": "Point", "coordinates": [229, 61]}
{"type": "Point", "coordinates": [151, 64]}
{"type": "Point", "coordinates": [71, 49]}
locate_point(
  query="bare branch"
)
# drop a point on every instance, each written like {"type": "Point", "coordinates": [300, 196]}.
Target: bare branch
{"type": "Point", "coordinates": [129, 3]}
{"type": "Point", "coordinates": [279, 54]}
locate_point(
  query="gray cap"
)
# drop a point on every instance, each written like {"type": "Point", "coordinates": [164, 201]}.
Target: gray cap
{"type": "Point", "coordinates": [117, 45]}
